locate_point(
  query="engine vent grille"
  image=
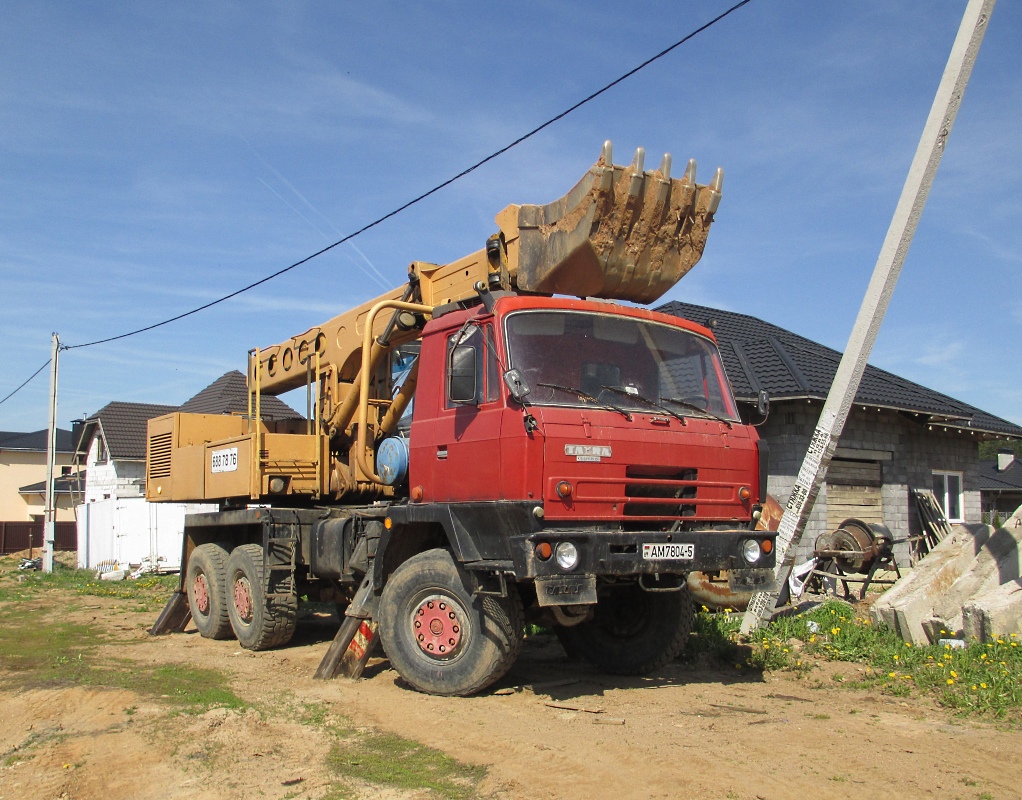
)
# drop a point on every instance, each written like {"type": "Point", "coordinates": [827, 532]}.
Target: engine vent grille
{"type": "Point", "coordinates": [648, 483]}
{"type": "Point", "coordinates": [159, 455]}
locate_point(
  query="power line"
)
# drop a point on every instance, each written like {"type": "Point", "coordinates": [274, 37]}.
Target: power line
{"type": "Point", "coordinates": [26, 383]}
{"type": "Point", "coordinates": [426, 194]}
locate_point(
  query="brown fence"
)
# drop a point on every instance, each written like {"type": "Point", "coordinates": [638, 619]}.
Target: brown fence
{"type": "Point", "coordinates": [18, 536]}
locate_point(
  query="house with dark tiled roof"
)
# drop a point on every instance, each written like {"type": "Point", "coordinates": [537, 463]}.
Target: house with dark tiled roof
{"type": "Point", "coordinates": [112, 447]}
{"type": "Point", "coordinates": [228, 394]}
{"type": "Point", "coordinates": [1000, 485]}
{"type": "Point", "coordinates": [898, 436]}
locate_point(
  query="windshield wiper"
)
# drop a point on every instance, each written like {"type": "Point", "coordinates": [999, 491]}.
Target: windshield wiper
{"type": "Point", "coordinates": [700, 409]}
{"type": "Point", "coordinates": [588, 398]}
{"type": "Point", "coordinates": [634, 395]}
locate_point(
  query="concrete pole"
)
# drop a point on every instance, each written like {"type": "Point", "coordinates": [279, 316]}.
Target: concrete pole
{"type": "Point", "coordinates": [874, 304]}
{"type": "Point", "coordinates": [49, 535]}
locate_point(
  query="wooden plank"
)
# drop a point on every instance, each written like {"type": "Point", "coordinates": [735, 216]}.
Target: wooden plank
{"type": "Point", "coordinates": [853, 502]}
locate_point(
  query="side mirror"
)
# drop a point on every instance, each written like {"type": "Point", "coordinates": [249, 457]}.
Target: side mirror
{"type": "Point", "coordinates": [462, 375]}
{"type": "Point", "coordinates": [763, 403]}
{"type": "Point", "coordinates": [515, 382]}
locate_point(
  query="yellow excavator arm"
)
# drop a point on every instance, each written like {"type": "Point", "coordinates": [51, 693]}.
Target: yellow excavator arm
{"type": "Point", "coordinates": [621, 233]}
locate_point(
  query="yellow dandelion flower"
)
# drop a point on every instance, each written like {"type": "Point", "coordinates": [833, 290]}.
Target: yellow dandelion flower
{"type": "Point", "coordinates": [954, 674]}
{"type": "Point", "coordinates": [908, 644]}
{"type": "Point", "coordinates": [892, 674]}
{"type": "Point", "coordinates": [835, 631]}
{"type": "Point", "coordinates": [895, 658]}
{"type": "Point", "coordinates": [983, 686]}
{"type": "Point", "coordinates": [950, 681]}
{"type": "Point", "coordinates": [973, 687]}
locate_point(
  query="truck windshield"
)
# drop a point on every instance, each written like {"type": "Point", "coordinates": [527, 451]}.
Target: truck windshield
{"type": "Point", "coordinates": [627, 362]}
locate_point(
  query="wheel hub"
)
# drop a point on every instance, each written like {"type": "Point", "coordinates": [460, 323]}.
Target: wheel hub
{"type": "Point", "coordinates": [200, 590]}
{"type": "Point", "coordinates": [243, 599]}
{"type": "Point", "coordinates": [437, 627]}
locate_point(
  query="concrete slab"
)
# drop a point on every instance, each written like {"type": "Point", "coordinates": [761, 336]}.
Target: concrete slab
{"type": "Point", "coordinates": [969, 585]}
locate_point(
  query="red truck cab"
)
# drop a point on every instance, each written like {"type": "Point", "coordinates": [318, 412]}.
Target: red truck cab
{"type": "Point", "coordinates": [624, 438]}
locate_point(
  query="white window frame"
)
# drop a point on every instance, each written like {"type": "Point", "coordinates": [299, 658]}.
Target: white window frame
{"type": "Point", "coordinates": [944, 497]}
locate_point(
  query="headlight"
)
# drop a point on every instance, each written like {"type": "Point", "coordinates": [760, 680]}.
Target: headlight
{"type": "Point", "coordinates": [751, 551]}
{"type": "Point", "coordinates": [566, 556]}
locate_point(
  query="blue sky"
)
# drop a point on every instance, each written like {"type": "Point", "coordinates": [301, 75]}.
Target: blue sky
{"type": "Point", "coordinates": [155, 156]}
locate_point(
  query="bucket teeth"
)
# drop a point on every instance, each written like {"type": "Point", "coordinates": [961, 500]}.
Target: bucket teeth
{"type": "Point", "coordinates": [715, 190]}
{"type": "Point", "coordinates": [665, 179]}
{"type": "Point", "coordinates": [665, 168]}
{"type": "Point", "coordinates": [690, 173]}
{"type": "Point", "coordinates": [607, 161]}
{"type": "Point", "coordinates": [635, 185]}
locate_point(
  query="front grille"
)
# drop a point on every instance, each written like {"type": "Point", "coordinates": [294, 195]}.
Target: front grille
{"type": "Point", "coordinates": [648, 483]}
{"type": "Point", "coordinates": [159, 455]}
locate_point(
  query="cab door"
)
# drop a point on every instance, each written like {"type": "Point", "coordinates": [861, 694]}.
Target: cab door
{"type": "Point", "coordinates": [459, 448]}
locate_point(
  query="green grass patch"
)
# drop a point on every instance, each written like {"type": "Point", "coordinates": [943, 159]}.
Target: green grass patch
{"type": "Point", "coordinates": [148, 593]}
{"type": "Point", "coordinates": [39, 651]}
{"type": "Point", "coordinates": [384, 759]}
{"type": "Point", "coordinates": [983, 678]}
{"type": "Point", "coordinates": [191, 689]}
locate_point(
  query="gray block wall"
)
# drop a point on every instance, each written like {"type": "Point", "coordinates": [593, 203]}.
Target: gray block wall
{"type": "Point", "coordinates": [912, 451]}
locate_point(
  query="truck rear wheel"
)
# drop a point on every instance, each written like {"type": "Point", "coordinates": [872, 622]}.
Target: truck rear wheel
{"type": "Point", "coordinates": [259, 622]}
{"type": "Point", "coordinates": [438, 636]}
{"type": "Point", "coordinates": [632, 632]}
{"type": "Point", "coordinates": [206, 582]}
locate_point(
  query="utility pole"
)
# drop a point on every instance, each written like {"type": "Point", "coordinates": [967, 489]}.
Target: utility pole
{"type": "Point", "coordinates": [874, 304]}
{"type": "Point", "coordinates": [49, 535]}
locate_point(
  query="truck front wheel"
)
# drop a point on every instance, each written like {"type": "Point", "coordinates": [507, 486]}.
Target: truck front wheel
{"type": "Point", "coordinates": [438, 636]}
{"type": "Point", "coordinates": [632, 632]}
{"type": "Point", "coordinates": [259, 622]}
{"type": "Point", "coordinates": [206, 579]}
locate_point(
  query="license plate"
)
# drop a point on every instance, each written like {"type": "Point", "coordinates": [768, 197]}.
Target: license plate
{"type": "Point", "coordinates": [669, 552]}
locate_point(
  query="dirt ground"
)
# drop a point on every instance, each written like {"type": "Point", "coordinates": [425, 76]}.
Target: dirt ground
{"type": "Point", "coordinates": [551, 729]}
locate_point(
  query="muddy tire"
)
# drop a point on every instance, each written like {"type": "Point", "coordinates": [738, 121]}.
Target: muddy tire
{"type": "Point", "coordinates": [259, 622]}
{"type": "Point", "coordinates": [206, 583]}
{"type": "Point", "coordinates": [438, 636]}
{"type": "Point", "coordinates": [632, 632]}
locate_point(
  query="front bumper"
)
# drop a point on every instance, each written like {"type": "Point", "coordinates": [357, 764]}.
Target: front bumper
{"type": "Point", "coordinates": [620, 554]}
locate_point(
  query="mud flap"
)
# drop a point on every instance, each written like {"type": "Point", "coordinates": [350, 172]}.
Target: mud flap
{"type": "Point", "coordinates": [174, 617]}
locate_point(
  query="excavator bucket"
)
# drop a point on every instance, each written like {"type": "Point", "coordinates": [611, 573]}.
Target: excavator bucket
{"type": "Point", "coordinates": [621, 233]}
